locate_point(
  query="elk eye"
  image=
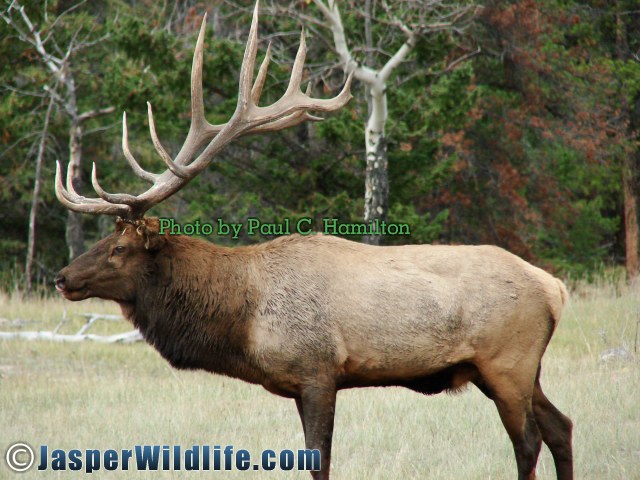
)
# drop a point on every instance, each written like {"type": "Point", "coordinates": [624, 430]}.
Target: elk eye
{"type": "Point", "coordinates": [119, 249]}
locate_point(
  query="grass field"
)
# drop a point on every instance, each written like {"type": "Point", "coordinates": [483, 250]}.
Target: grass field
{"type": "Point", "coordinates": [115, 396]}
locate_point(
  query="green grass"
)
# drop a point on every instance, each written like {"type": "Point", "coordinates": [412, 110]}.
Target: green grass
{"type": "Point", "coordinates": [115, 396]}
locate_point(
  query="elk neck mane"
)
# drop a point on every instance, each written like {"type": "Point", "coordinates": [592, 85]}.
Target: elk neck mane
{"type": "Point", "coordinates": [194, 305]}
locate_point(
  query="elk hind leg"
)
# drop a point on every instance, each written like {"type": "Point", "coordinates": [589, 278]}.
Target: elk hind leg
{"type": "Point", "coordinates": [513, 399]}
{"type": "Point", "coordinates": [556, 432]}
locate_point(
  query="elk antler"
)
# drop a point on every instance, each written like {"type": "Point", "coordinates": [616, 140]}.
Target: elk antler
{"type": "Point", "coordinates": [291, 109]}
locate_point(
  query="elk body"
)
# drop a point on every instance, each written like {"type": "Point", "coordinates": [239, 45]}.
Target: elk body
{"type": "Point", "coordinates": [307, 316]}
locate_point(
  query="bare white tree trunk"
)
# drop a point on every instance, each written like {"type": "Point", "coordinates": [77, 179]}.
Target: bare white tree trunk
{"type": "Point", "coordinates": [33, 213]}
{"type": "Point", "coordinates": [376, 196]}
{"type": "Point", "coordinates": [376, 192]}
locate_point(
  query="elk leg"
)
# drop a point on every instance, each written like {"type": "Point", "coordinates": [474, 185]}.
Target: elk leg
{"type": "Point", "coordinates": [516, 412]}
{"type": "Point", "coordinates": [301, 414]}
{"type": "Point", "coordinates": [316, 407]}
{"type": "Point", "coordinates": [556, 432]}
{"type": "Point", "coordinates": [483, 387]}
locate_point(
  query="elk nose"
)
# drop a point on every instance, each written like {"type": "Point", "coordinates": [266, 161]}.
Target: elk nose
{"type": "Point", "coordinates": [60, 283]}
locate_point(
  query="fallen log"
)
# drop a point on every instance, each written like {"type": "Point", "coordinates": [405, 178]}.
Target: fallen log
{"type": "Point", "coordinates": [127, 337]}
{"type": "Point", "coordinates": [80, 336]}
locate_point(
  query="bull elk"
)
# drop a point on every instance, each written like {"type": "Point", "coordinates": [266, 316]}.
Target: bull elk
{"type": "Point", "coordinates": [306, 316]}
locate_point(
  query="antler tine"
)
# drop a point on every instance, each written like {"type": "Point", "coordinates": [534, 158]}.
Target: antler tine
{"type": "Point", "coordinates": [81, 204]}
{"type": "Point", "coordinates": [137, 169]}
{"type": "Point", "coordinates": [177, 170]}
{"type": "Point", "coordinates": [298, 66]}
{"type": "Point", "coordinates": [330, 104]}
{"type": "Point", "coordinates": [69, 181]}
{"type": "Point", "coordinates": [197, 101]}
{"type": "Point", "coordinates": [123, 198]}
{"type": "Point", "coordinates": [69, 194]}
{"type": "Point", "coordinates": [248, 65]}
{"type": "Point", "coordinates": [310, 117]}
{"type": "Point", "coordinates": [292, 120]}
{"type": "Point", "coordinates": [200, 130]}
{"type": "Point", "coordinates": [296, 118]}
{"type": "Point", "coordinates": [262, 76]}
{"type": "Point", "coordinates": [293, 101]}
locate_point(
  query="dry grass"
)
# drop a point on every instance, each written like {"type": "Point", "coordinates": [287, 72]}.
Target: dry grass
{"type": "Point", "coordinates": [116, 396]}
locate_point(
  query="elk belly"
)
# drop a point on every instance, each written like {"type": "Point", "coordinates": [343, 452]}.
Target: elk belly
{"type": "Point", "coordinates": [255, 226]}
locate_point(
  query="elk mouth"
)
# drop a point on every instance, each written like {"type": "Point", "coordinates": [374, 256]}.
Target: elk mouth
{"type": "Point", "coordinates": [61, 285]}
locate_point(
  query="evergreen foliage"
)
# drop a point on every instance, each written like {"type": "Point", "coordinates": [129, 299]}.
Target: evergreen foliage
{"type": "Point", "coordinates": [519, 146]}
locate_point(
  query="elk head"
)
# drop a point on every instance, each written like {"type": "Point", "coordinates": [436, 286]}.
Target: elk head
{"type": "Point", "coordinates": [124, 254]}
{"type": "Point", "coordinates": [112, 268]}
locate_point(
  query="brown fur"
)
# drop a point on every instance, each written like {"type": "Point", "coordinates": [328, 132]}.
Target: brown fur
{"type": "Point", "coordinates": [307, 316]}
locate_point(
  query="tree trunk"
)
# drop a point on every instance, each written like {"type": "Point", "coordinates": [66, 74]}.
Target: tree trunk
{"type": "Point", "coordinates": [33, 213]}
{"type": "Point", "coordinates": [376, 192]}
{"type": "Point", "coordinates": [74, 231]}
{"type": "Point", "coordinates": [629, 174]}
{"type": "Point", "coordinates": [630, 216]}
{"type": "Point", "coordinates": [376, 195]}
{"type": "Point", "coordinates": [630, 193]}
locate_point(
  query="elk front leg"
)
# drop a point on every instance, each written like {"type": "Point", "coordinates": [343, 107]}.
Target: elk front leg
{"type": "Point", "coordinates": [301, 413]}
{"type": "Point", "coordinates": [316, 406]}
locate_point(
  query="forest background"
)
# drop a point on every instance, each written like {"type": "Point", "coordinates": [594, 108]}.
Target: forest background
{"type": "Point", "coordinates": [512, 123]}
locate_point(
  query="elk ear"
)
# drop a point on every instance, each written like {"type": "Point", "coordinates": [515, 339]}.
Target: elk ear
{"type": "Point", "coordinates": [149, 229]}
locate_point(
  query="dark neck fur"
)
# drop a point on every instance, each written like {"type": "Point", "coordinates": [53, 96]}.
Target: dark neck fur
{"type": "Point", "coordinates": [194, 306]}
